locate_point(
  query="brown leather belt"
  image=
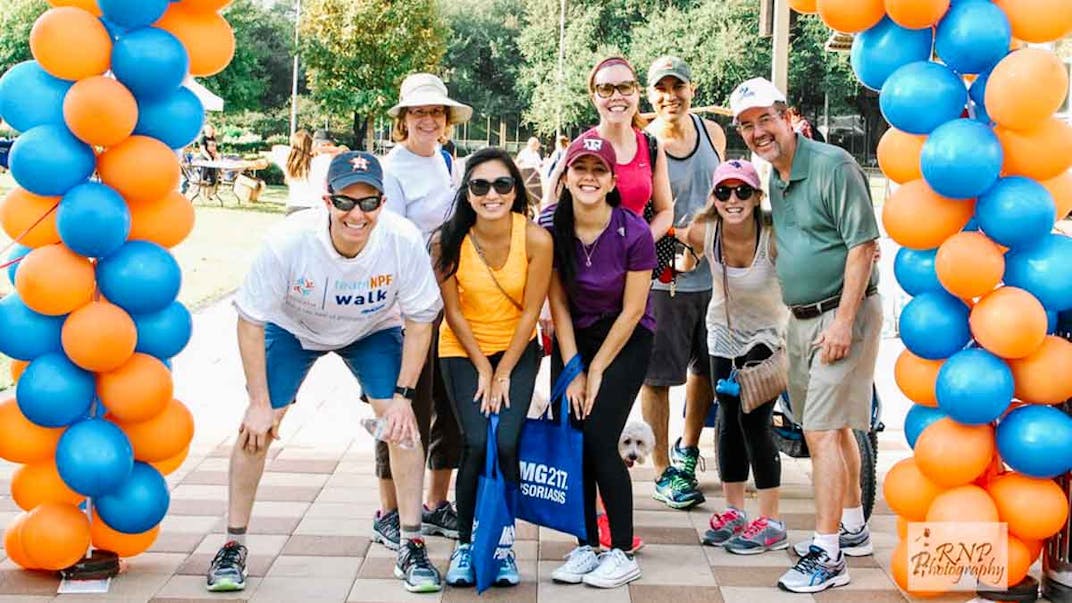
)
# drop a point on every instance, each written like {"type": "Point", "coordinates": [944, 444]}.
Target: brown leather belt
{"type": "Point", "coordinates": [806, 311]}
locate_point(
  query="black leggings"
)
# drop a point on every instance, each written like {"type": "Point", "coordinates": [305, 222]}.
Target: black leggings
{"type": "Point", "coordinates": [745, 438]}
{"type": "Point", "coordinates": [603, 465]}
{"type": "Point", "coordinates": [460, 377]}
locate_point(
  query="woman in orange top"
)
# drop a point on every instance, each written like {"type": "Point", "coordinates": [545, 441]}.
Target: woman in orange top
{"type": "Point", "coordinates": [494, 268]}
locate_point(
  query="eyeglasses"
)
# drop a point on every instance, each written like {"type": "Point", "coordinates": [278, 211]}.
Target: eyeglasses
{"type": "Point", "coordinates": [348, 203]}
{"type": "Point", "coordinates": [624, 88]}
{"type": "Point", "coordinates": [480, 187]}
{"type": "Point", "coordinates": [435, 112]}
{"type": "Point", "coordinates": [744, 192]}
{"type": "Point", "coordinates": [765, 121]}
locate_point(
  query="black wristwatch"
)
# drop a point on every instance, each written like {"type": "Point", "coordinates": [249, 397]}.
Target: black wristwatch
{"type": "Point", "coordinates": [405, 392]}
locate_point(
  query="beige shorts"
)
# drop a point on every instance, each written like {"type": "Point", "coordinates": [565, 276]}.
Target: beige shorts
{"type": "Point", "coordinates": [832, 396]}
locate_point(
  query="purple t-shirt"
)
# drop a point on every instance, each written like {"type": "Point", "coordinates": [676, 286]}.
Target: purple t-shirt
{"type": "Point", "coordinates": [626, 245]}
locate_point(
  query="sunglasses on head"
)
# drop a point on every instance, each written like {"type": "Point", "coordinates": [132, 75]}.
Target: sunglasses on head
{"type": "Point", "coordinates": [348, 203]}
{"type": "Point", "coordinates": [480, 187]}
{"type": "Point", "coordinates": [623, 88]}
{"type": "Point", "coordinates": [744, 192]}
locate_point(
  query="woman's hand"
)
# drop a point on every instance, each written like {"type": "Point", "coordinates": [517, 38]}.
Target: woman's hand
{"type": "Point", "coordinates": [500, 392]}
{"type": "Point", "coordinates": [483, 386]}
{"type": "Point", "coordinates": [575, 393]}
{"type": "Point", "coordinates": [595, 381]}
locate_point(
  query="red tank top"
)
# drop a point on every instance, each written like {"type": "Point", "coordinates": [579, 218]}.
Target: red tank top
{"type": "Point", "coordinates": [634, 178]}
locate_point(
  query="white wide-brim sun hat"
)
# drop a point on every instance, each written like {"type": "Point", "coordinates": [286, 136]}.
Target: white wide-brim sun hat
{"type": "Point", "coordinates": [423, 89]}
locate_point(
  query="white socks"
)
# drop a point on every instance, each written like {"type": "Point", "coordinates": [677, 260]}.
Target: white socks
{"type": "Point", "coordinates": [829, 543]}
{"type": "Point", "coordinates": [853, 518]}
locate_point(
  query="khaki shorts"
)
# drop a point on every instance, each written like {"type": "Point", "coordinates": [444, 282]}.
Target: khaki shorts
{"type": "Point", "coordinates": [832, 396]}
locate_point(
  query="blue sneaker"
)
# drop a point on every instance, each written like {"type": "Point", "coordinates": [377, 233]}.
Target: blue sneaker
{"type": "Point", "coordinates": [461, 567]}
{"type": "Point", "coordinates": [508, 574]}
{"type": "Point", "coordinates": [815, 572]}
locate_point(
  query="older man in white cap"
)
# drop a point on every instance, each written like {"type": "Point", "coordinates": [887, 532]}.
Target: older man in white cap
{"type": "Point", "coordinates": [826, 238]}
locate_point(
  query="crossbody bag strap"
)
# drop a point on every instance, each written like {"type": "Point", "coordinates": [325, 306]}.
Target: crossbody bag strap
{"type": "Point", "coordinates": [491, 273]}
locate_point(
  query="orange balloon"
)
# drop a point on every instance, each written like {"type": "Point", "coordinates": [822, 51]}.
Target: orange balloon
{"type": "Point", "coordinates": [805, 7]}
{"type": "Point", "coordinates": [138, 390]}
{"type": "Point", "coordinates": [916, 14]}
{"type": "Point", "coordinates": [71, 43]}
{"type": "Point", "coordinates": [908, 492]}
{"type": "Point", "coordinates": [1009, 322]}
{"type": "Point", "coordinates": [99, 336]}
{"type": "Point", "coordinates": [1038, 21]}
{"type": "Point", "coordinates": [1043, 152]}
{"type": "Point", "coordinates": [966, 504]}
{"type": "Point", "coordinates": [40, 483]}
{"type": "Point", "coordinates": [163, 436]}
{"type": "Point", "coordinates": [13, 543]}
{"type": "Point", "coordinates": [166, 221]}
{"type": "Point", "coordinates": [1034, 373]}
{"type": "Point", "coordinates": [140, 168]}
{"type": "Point", "coordinates": [1034, 509]}
{"type": "Point", "coordinates": [208, 38]}
{"type": "Point", "coordinates": [22, 440]}
{"type": "Point", "coordinates": [29, 219]}
{"type": "Point", "coordinates": [902, 528]}
{"type": "Point", "coordinates": [90, 5]}
{"type": "Point", "coordinates": [899, 571]}
{"type": "Point", "coordinates": [916, 377]}
{"type": "Point", "coordinates": [1025, 88]}
{"type": "Point", "coordinates": [122, 544]}
{"type": "Point", "coordinates": [54, 280]}
{"type": "Point", "coordinates": [168, 466]}
{"type": "Point", "coordinates": [100, 111]}
{"type": "Point", "coordinates": [969, 264]}
{"type": "Point", "coordinates": [55, 535]}
{"type": "Point", "coordinates": [898, 155]}
{"type": "Point", "coordinates": [17, 367]}
{"type": "Point", "coordinates": [1034, 548]}
{"type": "Point", "coordinates": [1061, 189]}
{"type": "Point", "coordinates": [917, 217]}
{"type": "Point", "coordinates": [851, 16]}
{"type": "Point", "coordinates": [951, 454]}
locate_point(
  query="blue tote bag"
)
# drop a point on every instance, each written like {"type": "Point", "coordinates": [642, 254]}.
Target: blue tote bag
{"type": "Point", "coordinates": [552, 464]}
{"type": "Point", "coordinates": [493, 516]}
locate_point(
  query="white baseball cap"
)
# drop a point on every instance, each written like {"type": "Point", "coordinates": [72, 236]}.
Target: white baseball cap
{"type": "Point", "coordinates": [756, 92]}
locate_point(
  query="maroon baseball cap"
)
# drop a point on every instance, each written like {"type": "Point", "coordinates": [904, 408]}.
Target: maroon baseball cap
{"type": "Point", "coordinates": [591, 143]}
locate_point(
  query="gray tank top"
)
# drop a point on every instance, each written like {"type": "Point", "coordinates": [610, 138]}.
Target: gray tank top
{"type": "Point", "coordinates": [690, 181]}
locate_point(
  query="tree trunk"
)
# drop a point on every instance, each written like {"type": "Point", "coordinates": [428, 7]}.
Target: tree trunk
{"type": "Point", "coordinates": [361, 132]}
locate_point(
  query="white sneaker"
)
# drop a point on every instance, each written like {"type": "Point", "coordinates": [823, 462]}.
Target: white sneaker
{"type": "Point", "coordinates": [581, 561]}
{"type": "Point", "coordinates": [615, 569]}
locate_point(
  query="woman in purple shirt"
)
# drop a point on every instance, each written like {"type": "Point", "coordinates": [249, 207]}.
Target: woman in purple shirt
{"type": "Point", "coordinates": [600, 304]}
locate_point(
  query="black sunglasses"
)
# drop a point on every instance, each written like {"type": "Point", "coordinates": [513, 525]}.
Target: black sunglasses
{"type": "Point", "coordinates": [348, 203]}
{"type": "Point", "coordinates": [744, 192]}
{"type": "Point", "coordinates": [623, 88]}
{"type": "Point", "coordinates": [480, 187]}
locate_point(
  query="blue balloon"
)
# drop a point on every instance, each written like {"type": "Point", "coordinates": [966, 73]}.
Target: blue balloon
{"type": "Point", "coordinates": [919, 417]}
{"type": "Point", "coordinates": [971, 226]}
{"type": "Point", "coordinates": [114, 29]}
{"type": "Point", "coordinates": [1016, 212]}
{"type": "Point", "coordinates": [973, 37]}
{"type": "Point", "coordinates": [138, 504]}
{"type": "Point", "coordinates": [961, 159]}
{"type": "Point", "coordinates": [1051, 321]}
{"type": "Point", "coordinates": [977, 90]}
{"type": "Point", "coordinates": [17, 253]}
{"type": "Point", "coordinates": [934, 325]}
{"type": "Point", "coordinates": [94, 457]}
{"type": "Point", "coordinates": [30, 97]}
{"type": "Point", "coordinates": [881, 50]}
{"type": "Point", "coordinates": [921, 96]}
{"type": "Point", "coordinates": [141, 277]}
{"type": "Point", "coordinates": [175, 119]}
{"type": "Point", "coordinates": [1043, 270]}
{"type": "Point", "coordinates": [974, 387]}
{"type": "Point", "coordinates": [93, 220]}
{"type": "Point", "coordinates": [1036, 441]}
{"type": "Point", "coordinates": [165, 333]}
{"type": "Point", "coordinates": [53, 392]}
{"type": "Point", "coordinates": [150, 62]}
{"type": "Point", "coordinates": [49, 161]}
{"type": "Point", "coordinates": [25, 334]}
{"type": "Point", "coordinates": [914, 270]}
{"type": "Point", "coordinates": [133, 14]}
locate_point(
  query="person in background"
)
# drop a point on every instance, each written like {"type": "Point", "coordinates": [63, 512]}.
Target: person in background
{"type": "Point", "coordinates": [561, 144]}
{"type": "Point", "coordinates": [529, 157]}
{"type": "Point", "coordinates": [302, 191]}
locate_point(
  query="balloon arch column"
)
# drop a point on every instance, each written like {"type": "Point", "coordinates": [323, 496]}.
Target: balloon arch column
{"type": "Point", "coordinates": [94, 320]}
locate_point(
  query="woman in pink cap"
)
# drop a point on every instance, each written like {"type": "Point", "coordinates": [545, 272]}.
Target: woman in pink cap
{"type": "Point", "coordinates": [746, 322]}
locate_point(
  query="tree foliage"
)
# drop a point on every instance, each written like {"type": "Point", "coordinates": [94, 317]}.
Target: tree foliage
{"type": "Point", "coordinates": [16, 19]}
{"type": "Point", "coordinates": [259, 77]}
{"type": "Point", "coordinates": [481, 63]}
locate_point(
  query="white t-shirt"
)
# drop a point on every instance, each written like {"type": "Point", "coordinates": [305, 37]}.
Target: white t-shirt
{"type": "Point", "coordinates": [301, 283]}
{"type": "Point", "coordinates": [308, 191]}
{"type": "Point", "coordinates": [418, 188]}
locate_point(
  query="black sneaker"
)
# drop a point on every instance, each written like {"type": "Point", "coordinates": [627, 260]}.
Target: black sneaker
{"type": "Point", "coordinates": [228, 570]}
{"type": "Point", "coordinates": [417, 573]}
{"type": "Point", "coordinates": [386, 530]}
{"type": "Point", "coordinates": [442, 520]}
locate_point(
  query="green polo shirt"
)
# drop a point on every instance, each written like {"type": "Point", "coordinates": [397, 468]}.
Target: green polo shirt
{"type": "Point", "coordinates": [822, 212]}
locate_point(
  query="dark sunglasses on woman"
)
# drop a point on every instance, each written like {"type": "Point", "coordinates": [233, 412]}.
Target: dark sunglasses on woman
{"type": "Point", "coordinates": [480, 187]}
{"type": "Point", "coordinates": [348, 203]}
{"type": "Point", "coordinates": [744, 192]}
{"type": "Point", "coordinates": [623, 88]}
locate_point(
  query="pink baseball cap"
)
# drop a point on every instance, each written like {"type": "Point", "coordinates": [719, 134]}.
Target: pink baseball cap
{"type": "Point", "coordinates": [591, 143]}
{"type": "Point", "coordinates": [735, 169]}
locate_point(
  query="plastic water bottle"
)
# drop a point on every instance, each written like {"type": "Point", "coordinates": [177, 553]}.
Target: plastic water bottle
{"type": "Point", "coordinates": [376, 426]}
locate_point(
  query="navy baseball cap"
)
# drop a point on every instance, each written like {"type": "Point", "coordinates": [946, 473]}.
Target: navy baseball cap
{"type": "Point", "coordinates": [353, 167]}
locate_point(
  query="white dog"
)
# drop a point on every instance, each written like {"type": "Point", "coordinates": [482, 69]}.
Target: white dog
{"type": "Point", "coordinates": [636, 443]}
